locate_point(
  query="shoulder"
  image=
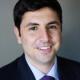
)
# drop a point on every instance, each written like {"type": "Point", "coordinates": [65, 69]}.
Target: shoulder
{"type": "Point", "coordinates": [68, 69]}
{"type": "Point", "coordinates": [68, 65]}
{"type": "Point", "coordinates": [67, 62]}
{"type": "Point", "coordinates": [9, 71]}
{"type": "Point", "coordinates": [9, 66]}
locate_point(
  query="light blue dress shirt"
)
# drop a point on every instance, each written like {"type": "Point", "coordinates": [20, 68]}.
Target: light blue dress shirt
{"type": "Point", "coordinates": [38, 74]}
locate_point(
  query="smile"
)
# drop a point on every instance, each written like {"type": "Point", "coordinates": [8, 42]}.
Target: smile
{"type": "Point", "coordinates": [45, 49]}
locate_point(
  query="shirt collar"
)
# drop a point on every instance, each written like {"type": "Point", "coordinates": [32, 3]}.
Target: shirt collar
{"type": "Point", "coordinates": [38, 74]}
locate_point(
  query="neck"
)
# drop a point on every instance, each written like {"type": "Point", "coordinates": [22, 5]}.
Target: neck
{"type": "Point", "coordinates": [44, 68]}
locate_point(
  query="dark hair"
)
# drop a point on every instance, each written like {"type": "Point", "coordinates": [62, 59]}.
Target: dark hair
{"type": "Point", "coordinates": [23, 6]}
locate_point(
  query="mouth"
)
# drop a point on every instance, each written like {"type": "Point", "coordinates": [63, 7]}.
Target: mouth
{"type": "Point", "coordinates": [46, 49]}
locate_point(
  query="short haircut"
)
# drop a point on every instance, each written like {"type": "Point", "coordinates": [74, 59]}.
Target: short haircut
{"type": "Point", "coordinates": [23, 6]}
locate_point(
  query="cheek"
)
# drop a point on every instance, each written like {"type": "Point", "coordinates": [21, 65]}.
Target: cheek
{"type": "Point", "coordinates": [56, 37]}
{"type": "Point", "coordinates": [29, 40]}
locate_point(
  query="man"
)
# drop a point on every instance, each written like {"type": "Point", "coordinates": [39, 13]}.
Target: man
{"type": "Point", "coordinates": [38, 28]}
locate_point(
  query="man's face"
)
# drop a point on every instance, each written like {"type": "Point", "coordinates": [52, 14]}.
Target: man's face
{"type": "Point", "coordinates": [40, 35]}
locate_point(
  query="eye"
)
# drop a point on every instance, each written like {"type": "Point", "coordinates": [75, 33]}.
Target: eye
{"type": "Point", "coordinates": [52, 27]}
{"type": "Point", "coordinates": [33, 28]}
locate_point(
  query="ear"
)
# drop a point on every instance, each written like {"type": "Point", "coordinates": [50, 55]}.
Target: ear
{"type": "Point", "coordinates": [16, 31]}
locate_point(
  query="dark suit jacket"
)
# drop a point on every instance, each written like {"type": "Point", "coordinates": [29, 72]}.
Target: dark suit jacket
{"type": "Point", "coordinates": [19, 70]}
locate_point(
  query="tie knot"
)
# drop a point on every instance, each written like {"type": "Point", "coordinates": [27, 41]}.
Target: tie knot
{"type": "Point", "coordinates": [47, 78]}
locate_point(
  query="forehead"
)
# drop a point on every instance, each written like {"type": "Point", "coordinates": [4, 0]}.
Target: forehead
{"type": "Point", "coordinates": [41, 15]}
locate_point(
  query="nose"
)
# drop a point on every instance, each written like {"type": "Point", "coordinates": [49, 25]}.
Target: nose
{"type": "Point", "coordinates": [45, 36]}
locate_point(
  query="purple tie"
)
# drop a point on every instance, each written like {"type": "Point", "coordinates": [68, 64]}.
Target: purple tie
{"type": "Point", "coordinates": [47, 78]}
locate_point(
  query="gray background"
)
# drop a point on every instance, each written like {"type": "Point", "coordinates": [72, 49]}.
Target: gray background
{"type": "Point", "coordinates": [10, 50]}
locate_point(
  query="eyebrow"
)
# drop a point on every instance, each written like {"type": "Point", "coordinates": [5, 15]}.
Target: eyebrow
{"type": "Point", "coordinates": [53, 22]}
{"type": "Point", "coordinates": [32, 24]}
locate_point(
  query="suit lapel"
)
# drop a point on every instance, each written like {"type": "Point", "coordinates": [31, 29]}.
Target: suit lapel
{"type": "Point", "coordinates": [24, 70]}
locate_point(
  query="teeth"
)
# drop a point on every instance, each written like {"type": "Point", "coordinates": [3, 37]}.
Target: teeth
{"type": "Point", "coordinates": [44, 47]}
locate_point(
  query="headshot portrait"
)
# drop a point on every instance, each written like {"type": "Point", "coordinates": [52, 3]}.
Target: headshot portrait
{"type": "Point", "coordinates": [41, 30]}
